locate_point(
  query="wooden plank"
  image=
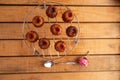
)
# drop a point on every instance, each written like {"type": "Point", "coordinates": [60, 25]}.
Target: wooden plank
{"type": "Point", "coordinates": [35, 64]}
{"type": "Point", "coordinates": [67, 2]}
{"type": "Point", "coordinates": [95, 46]}
{"type": "Point", "coordinates": [64, 76]}
{"type": "Point", "coordinates": [85, 14]}
{"type": "Point", "coordinates": [87, 30]}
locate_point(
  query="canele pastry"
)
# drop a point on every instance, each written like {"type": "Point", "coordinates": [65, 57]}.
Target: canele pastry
{"type": "Point", "coordinates": [38, 21]}
{"type": "Point", "coordinates": [32, 36]}
{"type": "Point", "coordinates": [67, 16]}
{"type": "Point", "coordinates": [56, 29]}
{"type": "Point", "coordinates": [71, 31]}
{"type": "Point", "coordinates": [52, 11]}
{"type": "Point", "coordinates": [44, 43]}
{"type": "Point", "coordinates": [60, 46]}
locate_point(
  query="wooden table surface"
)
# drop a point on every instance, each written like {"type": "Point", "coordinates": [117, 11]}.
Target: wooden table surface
{"type": "Point", "coordinates": [100, 34]}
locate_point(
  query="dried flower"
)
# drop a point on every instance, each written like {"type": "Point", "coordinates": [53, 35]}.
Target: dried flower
{"type": "Point", "coordinates": [83, 61]}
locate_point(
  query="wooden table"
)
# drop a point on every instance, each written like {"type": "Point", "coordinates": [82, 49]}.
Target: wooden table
{"type": "Point", "coordinates": [100, 34]}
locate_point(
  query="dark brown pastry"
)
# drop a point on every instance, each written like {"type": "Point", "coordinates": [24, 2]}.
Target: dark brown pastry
{"type": "Point", "coordinates": [32, 36]}
{"type": "Point", "coordinates": [44, 43]}
{"type": "Point", "coordinates": [71, 31]}
{"type": "Point", "coordinates": [56, 29]}
{"type": "Point", "coordinates": [52, 11]}
{"type": "Point", "coordinates": [38, 21]}
{"type": "Point", "coordinates": [67, 16]}
{"type": "Point", "coordinates": [60, 46]}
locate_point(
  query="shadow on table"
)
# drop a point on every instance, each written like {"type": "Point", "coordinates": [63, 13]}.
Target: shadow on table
{"type": "Point", "coordinates": [117, 1]}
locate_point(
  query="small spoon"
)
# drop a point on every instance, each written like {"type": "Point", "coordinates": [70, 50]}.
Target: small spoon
{"type": "Point", "coordinates": [48, 64]}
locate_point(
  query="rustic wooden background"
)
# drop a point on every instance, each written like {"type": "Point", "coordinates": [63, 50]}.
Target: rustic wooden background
{"type": "Point", "coordinates": [100, 34]}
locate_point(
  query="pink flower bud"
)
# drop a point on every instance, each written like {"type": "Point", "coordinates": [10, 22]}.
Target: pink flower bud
{"type": "Point", "coordinates": [83, 61]}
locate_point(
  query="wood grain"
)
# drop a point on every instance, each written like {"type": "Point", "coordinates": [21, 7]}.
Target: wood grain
{"type": "Point", "coordinates": [85, 14]}
{"type": "Point", "coordinates": [64, 76]}
{"type": "Point", "coordinates": [87, 30]}
{"type": "Point", "coordinates": [67, 2]}
{"type": "Point", "coordinates": [99, 34]}
{"type": "Point", "coordinates": [35, 64]}
{"type": "Point", "coordinates": [95, 46]}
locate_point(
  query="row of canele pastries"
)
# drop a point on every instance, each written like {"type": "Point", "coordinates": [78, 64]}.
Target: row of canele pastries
{"type": "Point", "coordinates": [56, 29]}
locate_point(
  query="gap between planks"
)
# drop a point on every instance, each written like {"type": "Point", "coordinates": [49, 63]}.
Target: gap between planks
{"type": "Point", "coordinates": [65, 76]}
{"type": "Point", "coordinates": [13, 31]}
{"type": "Point", "coordinates": [67, 2]}
{"type": "Point", "coordinates": [35, 64]}
{"type": "Point", "coordinates": [95, 46]}
{"type": "Point", "coordinates": [58, 5]}
{"type": "Point", "coordinates": [85, 14]}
